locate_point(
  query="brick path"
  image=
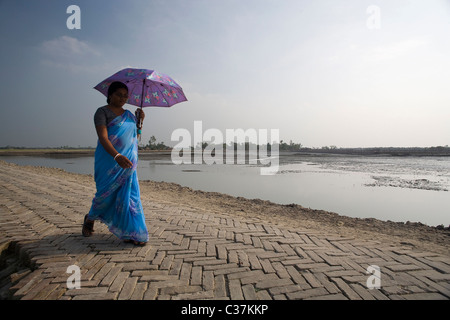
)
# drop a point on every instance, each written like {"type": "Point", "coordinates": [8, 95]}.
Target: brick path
{"type": "Point", "coordinates": [193, 254]}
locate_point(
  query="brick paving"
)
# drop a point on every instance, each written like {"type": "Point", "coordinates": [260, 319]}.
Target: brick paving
{"type": "Point", "coordinates": [192, 254]}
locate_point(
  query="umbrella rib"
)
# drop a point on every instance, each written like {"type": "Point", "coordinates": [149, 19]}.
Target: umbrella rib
{"type": "Point", "coordinates": [144, 82]}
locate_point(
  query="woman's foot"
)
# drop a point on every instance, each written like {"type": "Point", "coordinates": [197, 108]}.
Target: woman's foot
{"type": "Point", "coordinates": [136, 243]}
{"type": "Point", "coordinates": [88, 227]}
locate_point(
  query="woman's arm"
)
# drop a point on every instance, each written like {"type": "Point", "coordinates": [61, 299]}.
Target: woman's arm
{"type": "Point", "coordinates": [102, 133]}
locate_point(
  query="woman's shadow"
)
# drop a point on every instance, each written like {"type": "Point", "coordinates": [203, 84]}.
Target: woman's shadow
{"type": "Point", "coordinates": [65, 247]}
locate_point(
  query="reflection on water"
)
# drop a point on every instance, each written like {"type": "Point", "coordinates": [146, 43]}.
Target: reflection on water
{"type": "Point", "coordinates": [386, 188]}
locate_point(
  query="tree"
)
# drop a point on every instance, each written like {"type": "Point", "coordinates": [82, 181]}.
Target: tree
{"type": "Point", "coordinates": [152, 141]}
{"type": "Point", "coordinates": [152, 145]}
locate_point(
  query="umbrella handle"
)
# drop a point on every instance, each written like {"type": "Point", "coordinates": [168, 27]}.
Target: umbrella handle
{"type": "Point", "coordinates": [139, 120]}
{"type": "Point", "coordinates": [139, 126]}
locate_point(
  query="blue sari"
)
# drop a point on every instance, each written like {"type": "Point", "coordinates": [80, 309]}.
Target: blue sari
{"type": "Point", "coordinates": [117, 201]}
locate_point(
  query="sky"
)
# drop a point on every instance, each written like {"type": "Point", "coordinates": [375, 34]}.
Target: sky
{"type": "Point", "coordinates": [347, 73]}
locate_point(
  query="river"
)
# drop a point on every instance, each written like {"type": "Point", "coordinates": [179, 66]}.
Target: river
{"type": "Point", "coordinates": [399, 189]}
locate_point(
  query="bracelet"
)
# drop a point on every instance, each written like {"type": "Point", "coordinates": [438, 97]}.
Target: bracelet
{"type": "Point", "coordinates": [118, 154]}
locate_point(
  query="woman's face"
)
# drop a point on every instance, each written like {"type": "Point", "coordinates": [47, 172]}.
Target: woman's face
{"type": "Point", "coordinates": [119, 98]}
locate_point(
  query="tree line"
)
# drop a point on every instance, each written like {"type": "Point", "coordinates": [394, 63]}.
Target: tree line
{"type": "Point", "coordinates": [283, 146]}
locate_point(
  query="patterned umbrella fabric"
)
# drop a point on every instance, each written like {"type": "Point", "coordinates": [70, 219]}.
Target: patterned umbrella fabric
{"type": "Point", "coordinates": [146, 88]}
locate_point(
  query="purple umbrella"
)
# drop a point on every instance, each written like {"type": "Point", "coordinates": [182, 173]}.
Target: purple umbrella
{"type": "Point", "coordinates": [146, 88]}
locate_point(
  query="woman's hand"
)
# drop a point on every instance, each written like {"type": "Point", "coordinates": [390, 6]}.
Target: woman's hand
{"type": "Point", "coordinates": [140, 114]}
{"type": "Point", "coordinates": [123, 162]}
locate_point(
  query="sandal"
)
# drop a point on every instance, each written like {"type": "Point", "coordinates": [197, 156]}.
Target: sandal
{"type": "Point", "coordinates": [88, 227]}
{"type": "Point", "coordinates": [136, 243]}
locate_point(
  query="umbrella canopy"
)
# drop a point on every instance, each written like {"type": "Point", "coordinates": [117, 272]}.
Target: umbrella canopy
{"type": "Point", "coordinates": [146, 88]}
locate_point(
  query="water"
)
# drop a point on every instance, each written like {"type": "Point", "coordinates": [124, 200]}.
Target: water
{"type": "Point", "coordinates": [387, 188]}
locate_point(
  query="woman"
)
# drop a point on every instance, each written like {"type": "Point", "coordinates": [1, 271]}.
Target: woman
{"type": "Point", "coordinates": [117, 200]}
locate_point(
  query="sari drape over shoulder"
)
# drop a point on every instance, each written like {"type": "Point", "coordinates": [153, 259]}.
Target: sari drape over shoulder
{"type": "Point", "coordinates": [117, 201]}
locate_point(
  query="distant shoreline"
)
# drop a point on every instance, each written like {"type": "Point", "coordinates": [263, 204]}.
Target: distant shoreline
{"type": "Point", "coordinates": [383, 151]}
{"type": "Point", "coordinates": [43, 152]}
{"type": "Point", "coordinates": [375, 151]}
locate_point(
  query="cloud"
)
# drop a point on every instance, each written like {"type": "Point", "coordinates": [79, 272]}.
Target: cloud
{"type": "Point", "coordinates": [67, 47]}
{"type": "Point", "coordinates": [70, 54]}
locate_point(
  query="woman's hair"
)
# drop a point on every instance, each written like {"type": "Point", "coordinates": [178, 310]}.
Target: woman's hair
{"type": "Point", "coordinates": [113, 87]}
